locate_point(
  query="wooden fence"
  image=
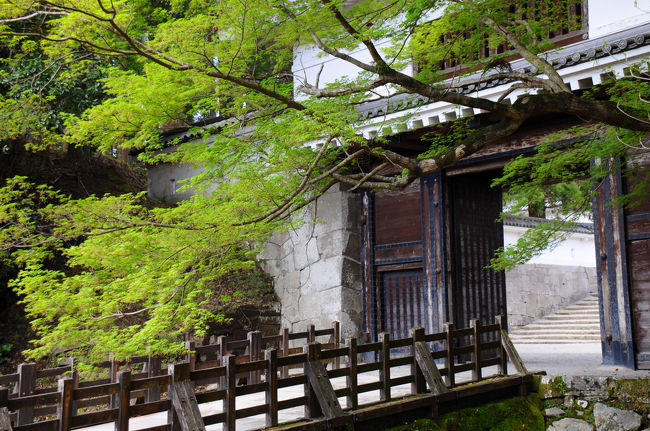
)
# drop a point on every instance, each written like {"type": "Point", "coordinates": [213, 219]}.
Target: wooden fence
{"type": "Point", "coordinates": [185, 385]}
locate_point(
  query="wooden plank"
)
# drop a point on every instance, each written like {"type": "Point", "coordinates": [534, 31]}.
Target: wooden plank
{"type": "Point", "coordinates": [371, 366]}
{"type": "Point", "coordinates": [150, 382]}
{"type": "Point", "coordinates": [52, 372]}
{"type": "Point", "coordinates": [367, 387]}
{"type": "Point", "coordinates": [429, 369]}
{"type": "Point", "coordinates": [256, 365]}
{"type": "Point", "coordinates": [94, 383]}
{"type": "Point", "coordinates": [64, 410]}
{"type": "Point", "coordinates": [384, 370]}
{"type": "Point", "coordinates": [255, 354]}
{"type": "Point", "coordinates": [113, 367]}
{"type": "Point", "coordinates": [209, 396]}
{"type": "Point", "coordinates": [503, 364]}
{"type": "Point", "coordinates": [322, 387]}
{"type": "Point", "coordinates": [91, 402]}
{"type": "Point", "coordinates": [123, 399]}
{"type": "Point", "coordinates": [292, 381]}
{"type": "Point", "coordinates": [214, 419]}
{"type": "Point", "coordinates": [463, 332]}
{"type": "Point", "coordinates": [32, 401]}
{"type": "Point", "coordinates": [292, 359]}
{"type": "Point", "coordinates": [341, 372]}
{"type": "Point", "coordinates": [352, 400]}
{"type": "Point", "coordinates": [402, 342]}
{"type": "Point", "coordinates": [397, 381]}
{"type": "Point", "coordinates": [419, 385]}
{"type": "Point", "coordinates": [251, 411]}
{"type": "Point", "coordinates": [149, 408]}
{"type": "Point", "coordinates": [512, 354]}
{"type": "Point", "coordinates": [440, 336]}
{"type": "Point", "coordinates": [207, 374]}
{"type": "Point", "coordinates": [95, 391]}
{"type": "Point", "coordinates": [154, 369]}
{"type": "Point", "coordinates": [185, 405]}
{"type": "Point", "coordinates": [336, 337]}
{"type": "Point", "coordinates": [404, 360]}
{"type": "Point", "coordinates": [271, 395]}
{"type": "Point", "coordinates": [291, 403]}
{"type": "Point", "coordinates": [250, 389]}
{"type": "Point", "coordinates": [312, 404]}
{"type": "Point", "coordinates": [24, 388]}
{"type": "Point", "coordinates": [334, 353]}
{"type": "Point", "coordinates": [229, 402]}
{"type": "Point", "coordinates": [449, 359]}
{"type": "Point", "coordinates": [369, 347]}
{"type": "Point", "coordinates": [94, 418]}
{"type": "Point", "coordinates": [285, 351]}
{"type": "Point", "coordinates": [9, 378]}
{"type": "Point", "coordinates": [52, 425]}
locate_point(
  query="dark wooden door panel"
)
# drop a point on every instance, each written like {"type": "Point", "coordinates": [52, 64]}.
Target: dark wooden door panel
{"type": "Point", "coordinates": [403, 301]}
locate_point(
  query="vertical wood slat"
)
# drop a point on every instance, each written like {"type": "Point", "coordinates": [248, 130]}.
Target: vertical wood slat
{"type": "Point", "coordinates": [312, 334]}
{"type": "Point", "coordinates": [179, 372]}
{"type": "Point", "coordinates": [123, 401]}
{"type": "Point", "coordinates": [154, 369]}
{"type": "Point", "coordinates": [254, 354]}
{"type": "Point", "coordinates": [25, 387]}
{"type": "Point", "coordinates": [285, 351]}
{"type": "Point", "coordinates": [64, 409]}
{"type": "Point", "coordinates": [419, 385]}
{"type": "Point", "coordinates": [337, 342]}
{"type": "Point", "coordinates": [271, 357]}
{"type": "Point", "coordinates": [190, 356]}
{"type": "Point", "coordinates": [449, 360]}
{"type": "Point", "coordinates": [384, 370]}
{"type": "Point", "coordinates": [352, 399]}
{"type": "Point", "coordinates": [112, 374]}
{"type": "Point", "coordinates": [477, 371]}
{"type": "Point", "coordinates": [229, 407]}
{"type": "Point", "coordinates": [222, 342]}
{"type": "Point", "coordinates": [503, 363]}
{"type": "Point", "coordinates": [429, 369]}
{"type": "Point", "coordinates": [312, 406]}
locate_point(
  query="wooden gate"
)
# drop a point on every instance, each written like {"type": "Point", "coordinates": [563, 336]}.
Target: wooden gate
{"type": "Point", "coordinates": [474, 234]}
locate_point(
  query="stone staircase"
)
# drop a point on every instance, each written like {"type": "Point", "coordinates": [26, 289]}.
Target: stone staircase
{"type": "Point", "coordinates": [577, 323]}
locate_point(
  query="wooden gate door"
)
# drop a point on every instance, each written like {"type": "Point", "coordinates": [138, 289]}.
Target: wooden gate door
{"type": "Point", "coordinates": [396, 295]}
{"type": "Point", "coordinates": [473, 235]}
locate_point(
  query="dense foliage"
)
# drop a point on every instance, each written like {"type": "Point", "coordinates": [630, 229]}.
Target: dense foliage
{"type": "Point", "coordinates": [137, 278]}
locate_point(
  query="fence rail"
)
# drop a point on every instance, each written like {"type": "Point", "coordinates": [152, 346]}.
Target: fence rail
{"type": "Point", "coordinates": [183, 386]}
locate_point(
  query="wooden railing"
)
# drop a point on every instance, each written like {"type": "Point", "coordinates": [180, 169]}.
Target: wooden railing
{"type": "Point", "coordinates": [185, 385]}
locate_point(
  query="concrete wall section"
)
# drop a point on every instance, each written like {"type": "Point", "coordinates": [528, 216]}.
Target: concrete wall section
{"type": "Point", "coordinates": [316, 266]}
{"type": "Point", "coordinates": [535, 290]}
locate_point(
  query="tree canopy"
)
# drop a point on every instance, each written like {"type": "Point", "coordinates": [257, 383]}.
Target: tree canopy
{"type": "Point", "coordinates": [138, 277]}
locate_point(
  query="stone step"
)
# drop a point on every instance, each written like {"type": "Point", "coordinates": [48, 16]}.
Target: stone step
{"type": "Point", "coordinates": [516, 338]}
{"type": "Point", "coordinates": [588, 311]}
{"type": "Point", "coordinates": [561, 326]}
{"type": "Point", "coordinates": [581, 318]}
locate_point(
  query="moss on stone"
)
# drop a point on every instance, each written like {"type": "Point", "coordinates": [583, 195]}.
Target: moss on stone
{"type": "Point", "coordinates": [520, 413]}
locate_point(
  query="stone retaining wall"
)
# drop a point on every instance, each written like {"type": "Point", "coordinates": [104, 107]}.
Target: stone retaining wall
{"type": "Point", "coordinates": [316, 266]}
{"type": "Point", "coordinates": [535, 290]}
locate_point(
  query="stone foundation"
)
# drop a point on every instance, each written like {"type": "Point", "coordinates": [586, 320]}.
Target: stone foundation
{"type": "Point", "coordinates": [535, 290]}
{"type": "Point", "coordinates": [316, 268]}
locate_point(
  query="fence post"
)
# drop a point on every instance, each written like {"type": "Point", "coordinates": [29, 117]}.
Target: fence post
{"type": "Point", "coordinates": [312, 406]}
{"type": "Point", "coordinates": [337, 343]}
{"type": "Point", "coordinates": [254, 354]}
{"type": "Point", "coordinates": [222, 352]}
{"type": "Point", "coordinates": [113, 367]}
{"type": "Point", "coordinates": [178, 372]}
{"type": "Point", "coordinates": [449, 360]}
{"type": "Point", "coordinates": [503, 363]}
{"type": "Point", "coordinates": [64, 409]}
{"type": "Point", "coordinates": [419, 385]}
{"type": "Point", "coordinates": [271, 356]}
{"type": "Point", "coordinates": [229, 407]}
{"type": "Point", "coordinates": [154, 364]}
{"type": "Point", "coordinates": [285, 351]}
{"type": "Point", "coordinates": [384, 371]}
{"type": "Point", "coordinates": [352, 400]}
{"type": "Point", "coordinates": [123, 401]}
{"type": "Point", "coordinates": [311, 337]}
{"type": "Point", "coordinates": [25, 387]}
{"type": "Point", "coordinates": [477, 371]}
{"type": "Point", "coordinates": [190, 356]}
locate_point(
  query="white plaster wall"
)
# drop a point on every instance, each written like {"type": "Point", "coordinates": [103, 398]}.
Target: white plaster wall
{"type": "Point", "coordinates": [165, 180]}
{"type": "Point", "coordinates": [577, 250]}
{"type": "Point", "coordinates": [610, 16]}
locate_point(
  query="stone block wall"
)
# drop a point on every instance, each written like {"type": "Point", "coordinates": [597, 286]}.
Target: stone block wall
{"type": "Point", "coordinates": [535, 290]}
{"type": "Point", "coordinates": [316, 265]}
